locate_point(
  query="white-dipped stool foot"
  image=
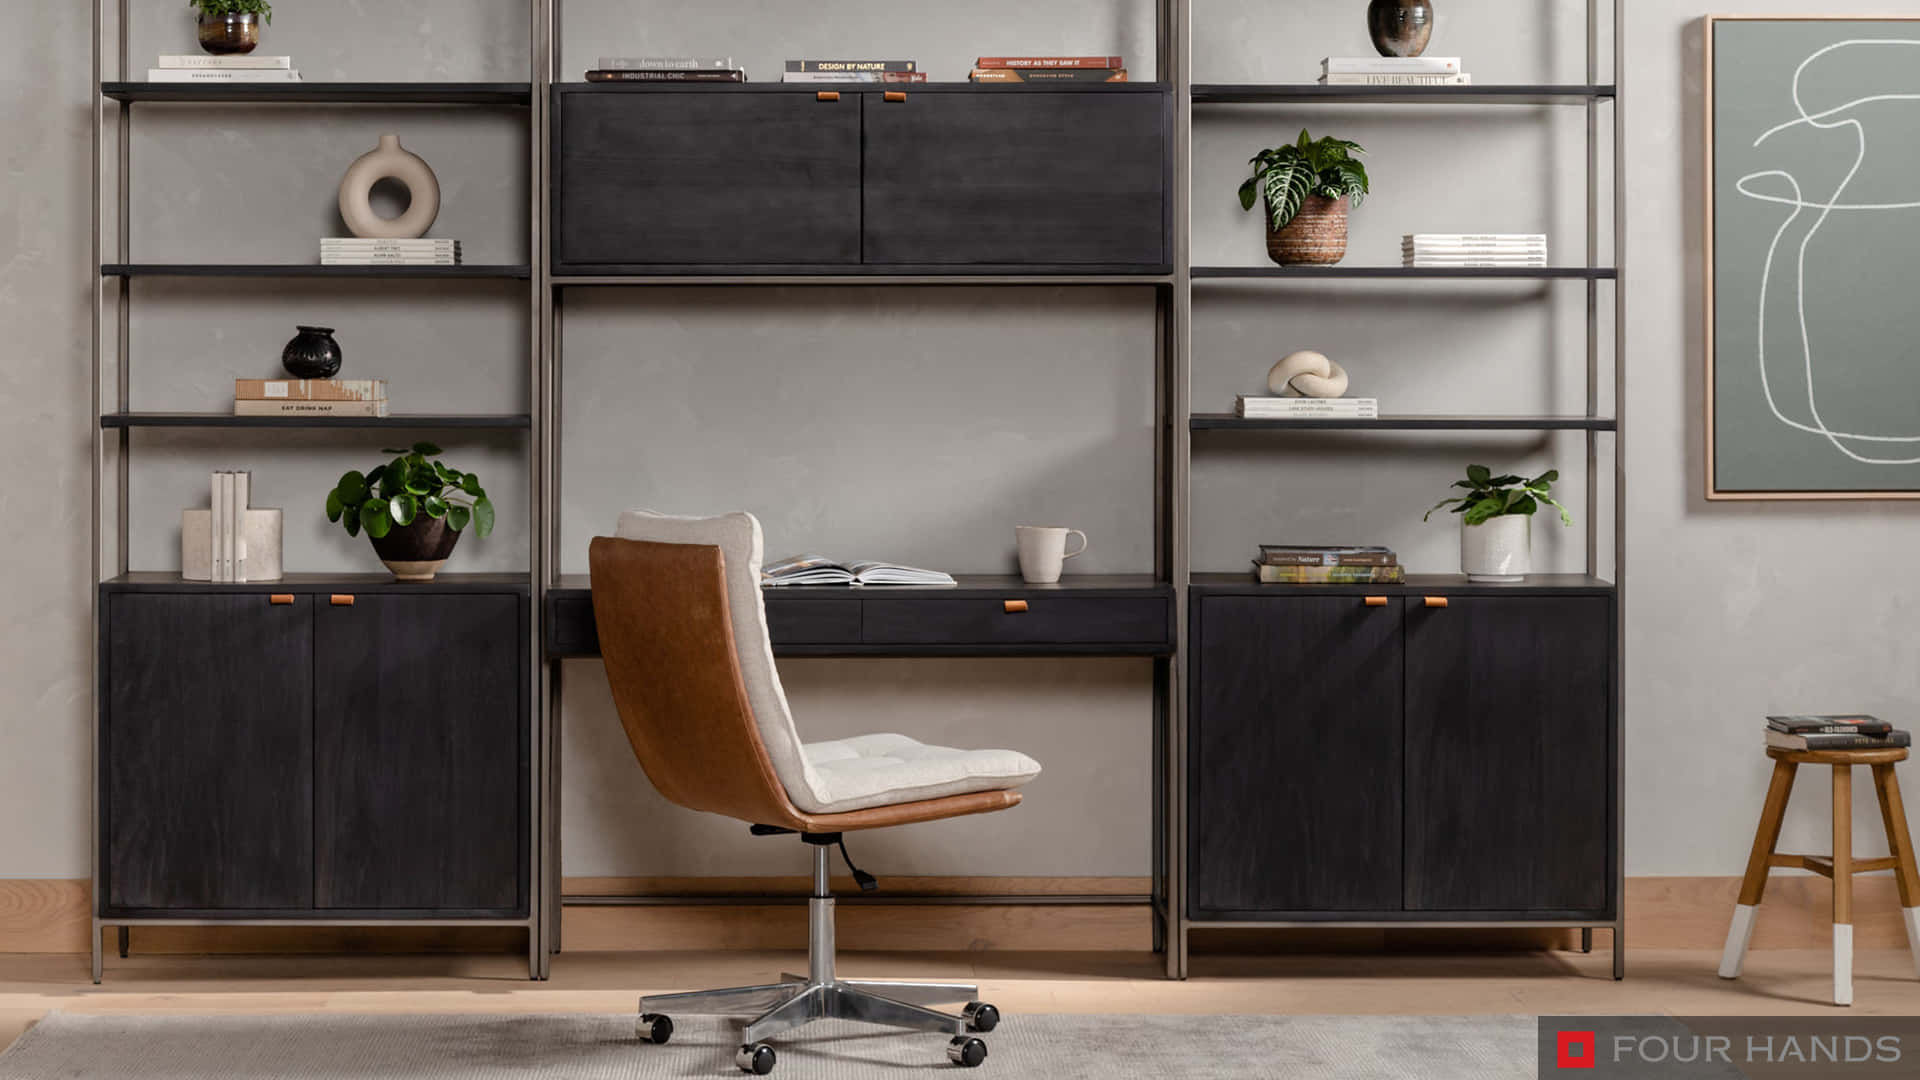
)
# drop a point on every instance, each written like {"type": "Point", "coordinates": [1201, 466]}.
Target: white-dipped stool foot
{"type": "Point", "coordinates": [1738, 935]}
{"type": "Point", "coordinates": [1843, 963]}
{"type": "Point", "coordinates": [1912, 915]}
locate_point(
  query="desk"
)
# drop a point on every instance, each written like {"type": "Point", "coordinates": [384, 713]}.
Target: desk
{"type": "Point", "coordinates": [984, 615]}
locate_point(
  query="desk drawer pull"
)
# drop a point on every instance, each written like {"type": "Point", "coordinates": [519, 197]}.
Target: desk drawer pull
{"type": "Point", "coordinates": [827, 95]}
{"type": "Point", "coordinates": [1014, 607]}
{"type": "Point", "coordinates": [342, 599]}
{"type": "Point", "coordinates": [896, 96]}
{"type": "Point", "coordinates": [1436, 601]}
{"type": "Point", "coordinates": [280, 599]}
{"type": "Point", "coordinates": [1376, 601]}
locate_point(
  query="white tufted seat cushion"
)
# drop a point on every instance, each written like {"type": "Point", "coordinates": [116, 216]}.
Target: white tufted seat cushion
{"type": "Point", "coordinates": [880, 770]}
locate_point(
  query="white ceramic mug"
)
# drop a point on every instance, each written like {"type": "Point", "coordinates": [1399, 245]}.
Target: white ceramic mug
{"type": "Point", "coordinates": [1043, 551]}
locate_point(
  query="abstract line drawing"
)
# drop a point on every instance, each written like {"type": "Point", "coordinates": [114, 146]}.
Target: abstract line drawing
{"type": "Point", "coordinates": [1864, 447]}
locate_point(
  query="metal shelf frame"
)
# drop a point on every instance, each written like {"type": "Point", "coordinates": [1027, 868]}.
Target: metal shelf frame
{"type": "Point", "coordinates": [114, 417]}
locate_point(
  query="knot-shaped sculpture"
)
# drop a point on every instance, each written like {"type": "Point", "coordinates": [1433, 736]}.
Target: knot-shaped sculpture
{"type": "Point", "coordinates": [1307, 374]}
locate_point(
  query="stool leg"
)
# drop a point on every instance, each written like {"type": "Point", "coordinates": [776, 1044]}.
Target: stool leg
{"type": "Point", "coordinates": [1843, 884]}
{"type": "Point", "coordinates": [1893, 814]}
{"type": "Point", "coordinates": [1754, 885]}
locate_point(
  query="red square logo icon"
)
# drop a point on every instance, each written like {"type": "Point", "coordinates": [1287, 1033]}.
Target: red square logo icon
{"type": "Point", "coordinates": [1576, 1050]}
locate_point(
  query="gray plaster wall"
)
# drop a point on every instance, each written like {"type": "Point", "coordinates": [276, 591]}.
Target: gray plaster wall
{"type": "Point", "coordinates": [1726, 620]}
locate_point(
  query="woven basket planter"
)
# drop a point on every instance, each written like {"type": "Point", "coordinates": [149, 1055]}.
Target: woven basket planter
{"type": "Point", "coordinates": [1317, 235]}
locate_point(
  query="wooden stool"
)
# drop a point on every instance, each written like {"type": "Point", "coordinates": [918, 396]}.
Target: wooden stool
{"type": "Point", "coordinates": [1840, 866]}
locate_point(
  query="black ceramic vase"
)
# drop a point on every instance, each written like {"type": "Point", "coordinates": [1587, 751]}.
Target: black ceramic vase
{"type": "Point", "coordinates": [1400, 27]}
{"type": "Point", "coordinates": [312, 354]}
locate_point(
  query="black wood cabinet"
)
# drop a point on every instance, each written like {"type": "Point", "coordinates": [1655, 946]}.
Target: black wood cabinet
{"type": "Point", "coordinates": [304, 754]}
{"type": "Point", "coordinates": [417, 753]}
{"type": "Point", "coordinates": [1296, 757]}
{"type": "Point", "coordinates": [1402, 758]}
{"type": "Point", "coordinates": [207, 753]}
{"type": "Point", "coordinates": [1016, 178]}
{"type": "Point", "coordinates": [650, 179]}
{"type": "Point", "coordinates": [1507, 751]}
{"type": "Point", "coordinates": [710, 178]}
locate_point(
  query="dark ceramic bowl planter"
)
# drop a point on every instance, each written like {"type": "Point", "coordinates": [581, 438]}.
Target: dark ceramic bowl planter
{"type": "Point", "coordinates": [230, 34]}
{"type": "Point", "coordinates": [1317, 235]}
{"type": "Point", "coordinates": [416, 552]}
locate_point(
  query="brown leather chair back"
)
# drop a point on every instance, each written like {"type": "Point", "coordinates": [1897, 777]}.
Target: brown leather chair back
{"type": "Point", "coordinates": [669, 650]}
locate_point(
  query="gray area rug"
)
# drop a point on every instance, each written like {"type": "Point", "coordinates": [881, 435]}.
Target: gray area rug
{"type": "Point", "coordinates": [68, 1045]}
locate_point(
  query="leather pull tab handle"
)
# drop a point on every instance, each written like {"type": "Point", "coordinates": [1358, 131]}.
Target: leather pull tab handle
{"type": "Point", "coordinates": [896, 96]}
{"type": "Point", "coordinates": [1436, 601]}
{"type": "Point", "coordinates": [342, 599]}
{"type": "Point", "coordinates": [280, 599]}
{"type": "Point", "coordinates": [1014, 607]}
{"type": "Point", "coordinates": [827, 95]}
{"type": "Point", "coordinates": [1376, 601]}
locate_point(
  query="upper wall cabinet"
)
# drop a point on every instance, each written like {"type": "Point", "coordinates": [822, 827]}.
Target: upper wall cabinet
{"type": "Point", "coordinates": [706, 178]}
{"type": "Point", "coordinates": [1016, 178]}
{"type": "Point", "coordinates": [649, 179]}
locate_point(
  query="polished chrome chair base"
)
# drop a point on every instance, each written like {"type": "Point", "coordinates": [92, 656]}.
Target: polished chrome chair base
{"type": "Point", "coordinates": [798, 1000]}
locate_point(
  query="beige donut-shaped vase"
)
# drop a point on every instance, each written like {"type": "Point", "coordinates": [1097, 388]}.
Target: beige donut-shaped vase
{"type": "Point", "coordinates": [389, 162]}
{"type": "Point", "coordinates": [1307, 374]}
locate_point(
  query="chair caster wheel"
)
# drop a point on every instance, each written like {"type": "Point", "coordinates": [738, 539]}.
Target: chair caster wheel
{"type": "Point", "coordinates": [980, 1016]}
{"type": "Point", "coordinates": [653, 1028]}
{"type": "Point", "coordinates": [966, 1052]}
{"type": "Point", "coordinates": [755, 1058]}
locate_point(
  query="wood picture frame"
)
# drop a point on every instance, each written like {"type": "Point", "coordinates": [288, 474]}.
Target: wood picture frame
{"type": "Point", "coordinates": [1719, 487]}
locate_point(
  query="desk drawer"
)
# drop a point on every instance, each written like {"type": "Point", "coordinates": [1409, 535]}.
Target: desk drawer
{"type": "Point", "coordinates": [794, 619]}
{"type": "Point", "coordinates": [1049, 618]}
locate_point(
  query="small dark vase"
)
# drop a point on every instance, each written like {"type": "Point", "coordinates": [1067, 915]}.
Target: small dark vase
{"type": "Point", "coordinates": [229, 35]}
{"type": "Point", "coordinates": [1400, 27]}
{"type": "Point", "coordinates": [416, 552]}
{"type": "Point", "coordinates": [312, 354]}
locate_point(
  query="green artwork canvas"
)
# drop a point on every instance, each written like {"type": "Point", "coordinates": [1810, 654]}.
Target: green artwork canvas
{"type": "Point", "coordinates": [1814, 387]}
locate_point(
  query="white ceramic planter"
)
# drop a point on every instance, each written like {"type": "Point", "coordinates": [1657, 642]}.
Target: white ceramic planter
{"type": "Point", "coordinates": [1501, 549]}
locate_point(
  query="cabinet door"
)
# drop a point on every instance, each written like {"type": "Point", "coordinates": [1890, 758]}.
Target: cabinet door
{"type": "Point", "coordinates": [207, 753]}
{"type": "Point", "coordinates": [706, 177]}
{"type": "Point", "coordinates": [420, 753]}
{"type": "Point", "coordinates": [1508, 749]}
{"type": "Point", "coordinates": [1017, 177]}
{"type": "Point", "coordinates": [1294, 791]}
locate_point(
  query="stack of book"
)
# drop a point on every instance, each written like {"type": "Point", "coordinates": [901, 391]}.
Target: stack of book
{"type": "Point", "coordinates": [357, 251]}
{"type": "Point", "coordinates": [1474, 249]}
{"type": "Point", "coordinates": [231, 492]}
{"type": "Point", "coordinates": [1267, 407]}
{"type": "Point", "coordinates": [1033, 69]}
{"type": "Point", "coordinates": [716, 69]}
{"type": "Point", "coordinates": [1393, 71]}
{"type": "Point", "coordinates": [224, 69]}
{"type": "Point", "coordinates": [1328, 564]}
{"type": "Point", "coordinates": [854, 71]}
{"type": "Point", "coordinates": [310, 397]}
{"type": "Point", "coordinates": [1851, 732]}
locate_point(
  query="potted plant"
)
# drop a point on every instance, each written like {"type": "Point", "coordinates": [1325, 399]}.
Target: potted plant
{"type": "Point", "coordinates": [230, 27]}
{"type": "Point", "coordinates": [1495, 512]}
{"type": "Point", "coordinates": [412, 508]}
{"type": "Point", "coordinates": [1308, 188]}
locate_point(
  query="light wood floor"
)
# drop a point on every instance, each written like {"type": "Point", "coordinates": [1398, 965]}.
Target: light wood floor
{"type": "Point", "coordinates": [1681, 982]}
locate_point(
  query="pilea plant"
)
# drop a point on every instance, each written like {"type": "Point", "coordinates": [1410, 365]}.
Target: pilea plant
{"type": "Point", "coordinates": [399, 491]}
{"type": "Point", "coordinates": [234, 7]}
{"type": "Point", "coordinates": [1286, 175]}
{"type": "Point", "coordinates": [1489, 496]}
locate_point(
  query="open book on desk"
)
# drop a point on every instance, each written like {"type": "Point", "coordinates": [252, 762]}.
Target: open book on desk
{"type": "Point", "coordinates": [820, 570]}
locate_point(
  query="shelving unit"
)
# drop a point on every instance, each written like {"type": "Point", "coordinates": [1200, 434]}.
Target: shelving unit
{"type": "Point", "coordinates": [1230, 422]}
{"type": "Point", "coordinates": [503, 750]}
{"type": "Point", "coordinates": [1313, 93]}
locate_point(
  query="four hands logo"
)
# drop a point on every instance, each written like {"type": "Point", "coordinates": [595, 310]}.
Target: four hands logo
{"type": "Point", "coordinates": [1575, 1050]}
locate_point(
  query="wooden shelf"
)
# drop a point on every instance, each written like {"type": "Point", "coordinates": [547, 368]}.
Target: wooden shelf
{"type": "Point", "coordinates": [520, 272]}
{"type": "Point", "coordinates": [1416, 584]}
{"type": "Point", "coordinates": [1308, 273]}
{"type": "Point", "coordinates": [171, 581]}
{"type": "Point", "coordinates": [324, 93]}
{"type": "Point", "coordinates": [505, 421]}
{"type": "Point", "coordinates": [1508, 94]}
{"type": "Point", "coordinates": [1230, 422]}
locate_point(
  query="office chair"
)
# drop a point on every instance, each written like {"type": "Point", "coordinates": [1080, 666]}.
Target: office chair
{"type": "Point", "coordinates": [683, 632]}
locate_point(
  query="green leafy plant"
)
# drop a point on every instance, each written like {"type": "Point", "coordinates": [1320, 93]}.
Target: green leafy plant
{"type": "Point", "coordinates": [1489, 496]}
{"type": "Point", "coordinates": [1286, 175]}
{"type": "Point", "coordinates": [399, 491]}
{"type": "Point", "coordinates": [234, 7]}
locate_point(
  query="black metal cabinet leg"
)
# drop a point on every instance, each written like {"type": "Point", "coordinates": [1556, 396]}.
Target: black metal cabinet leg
{"type": "Point", "coordinates": [1586, 939]}
{"type": "Point", "coordinates": [126, 939]}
